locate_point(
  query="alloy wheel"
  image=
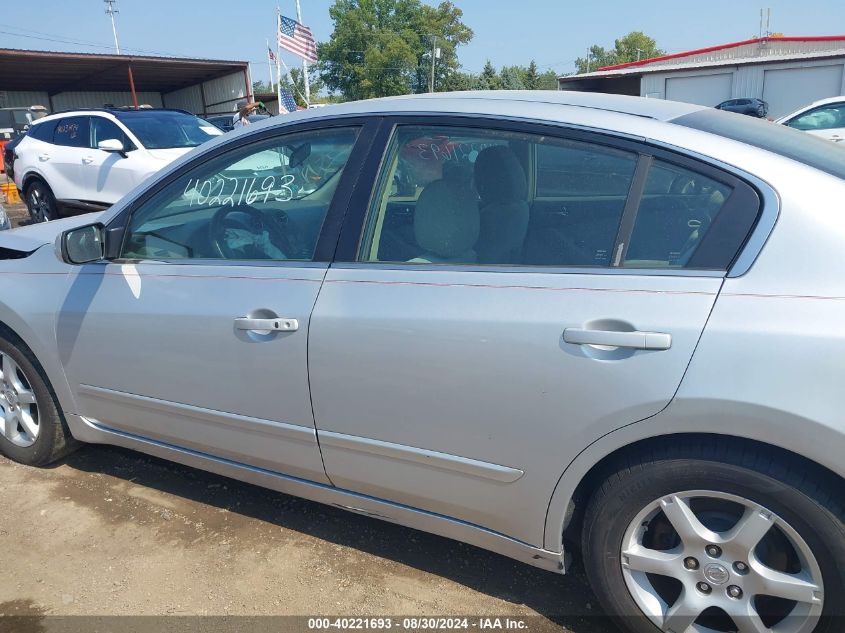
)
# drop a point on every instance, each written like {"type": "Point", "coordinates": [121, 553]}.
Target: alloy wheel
{"type": "Point", "coordinates": [705, 561]}
{"type": "Point", "coordinates": [19, 419]}
{"type": "Point", "coordinates": [39, 205]}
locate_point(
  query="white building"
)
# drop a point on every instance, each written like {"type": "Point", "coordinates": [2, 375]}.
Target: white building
{"type": "Point", "coordinates": [786, 72]}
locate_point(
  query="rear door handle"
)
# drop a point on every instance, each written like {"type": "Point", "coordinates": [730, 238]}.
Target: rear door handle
{"type": "Point", "coordinates": [43, 157]}
{"type": "Point", "coordinates": [87, 159]}
{"type": "Point", "coordinates": [279, 324]}
{"type": "Point", "coordinates": [633, 340]}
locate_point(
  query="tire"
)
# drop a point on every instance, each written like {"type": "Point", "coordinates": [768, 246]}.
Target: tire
{"type": "Point", "coordinates": [53, 439]}
{"type": "Point", "coordinates": [41, 202]}
{"type": "Point", "coordinates": [715, 482]}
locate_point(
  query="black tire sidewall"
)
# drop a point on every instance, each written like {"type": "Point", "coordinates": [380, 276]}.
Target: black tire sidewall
{"type": "Point", "coordinates": [50, 424]}
{"type": "Point", "coordinates": [626, 494]}
{"type": "Point", "coordinates": [47, 193]}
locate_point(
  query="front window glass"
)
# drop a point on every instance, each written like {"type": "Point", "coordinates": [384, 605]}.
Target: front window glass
{"type": "Point", "coordinates": [102, 129]}
{"type": "Point", "coordinates": [266, 201]}
{"type": "Point", "coordinates": [167, 129]}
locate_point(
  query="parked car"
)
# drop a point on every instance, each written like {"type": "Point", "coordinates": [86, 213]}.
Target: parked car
{"type": "Point", "coordinates": [824, 118]}
{"type": "Point", "coordinates": [9, 156]}
{"type": "Point", "coordinates": [535, 322]}
{"type": "Point", "coordinates": [88, 159]}
{"type": "Point", "coordinates": [5, 222]}
{"type": "Point", "coordinates": [751, 107]}
{"type": "Point", "coordinates": [226, 122]}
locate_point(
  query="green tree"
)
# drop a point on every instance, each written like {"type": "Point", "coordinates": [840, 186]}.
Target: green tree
{"type": "Point", "coordinates": [457, 81]}
{"type": "Point", "coordinates": [636, 45]}
{"type": "Point", "coordinates": [548, 80]}
{"type": "Point", "coordinates": [628, 48]}
{"type": "Point", "coordinates": [297, 88]}
{"type": "Point", "coordinates": [512, 78]}
{"type": "Point", "coordinates": [530, 77]}
{"type": "Point", "coordinates": [383, 47]}
{"type": "Point", "coordinates": [489, 78]}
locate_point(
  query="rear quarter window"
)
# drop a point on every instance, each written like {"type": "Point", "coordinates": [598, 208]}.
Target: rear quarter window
{"type": "Point", "coordinates": [43, 131]}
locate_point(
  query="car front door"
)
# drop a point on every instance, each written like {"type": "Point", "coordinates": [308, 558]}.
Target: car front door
{"type": "Point", "coordinates": [109, 176]}
{"type": "Point", "coordinates": [196, 336]}
{"type": "Point", "coordinates": [517, 293]}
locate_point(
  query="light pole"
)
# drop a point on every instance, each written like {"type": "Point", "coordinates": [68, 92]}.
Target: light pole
{"type": "Point", "coordinates": [110, 11]}
{"type": "Point", "coordinates": [639, 52]}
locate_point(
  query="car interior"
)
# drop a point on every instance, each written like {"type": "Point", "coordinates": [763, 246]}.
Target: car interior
{"type": "Point", "coordinates": [518, 202]}
{"type": "Point", "coordinates": [443, 198]}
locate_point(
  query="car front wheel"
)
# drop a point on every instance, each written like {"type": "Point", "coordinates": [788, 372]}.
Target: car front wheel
{"type": "Point", "coordinates": [704, 539]}
{"type": "Point", "coordinates": [32, 429]}
{"type": "Point", "coordinates": [41, 203]}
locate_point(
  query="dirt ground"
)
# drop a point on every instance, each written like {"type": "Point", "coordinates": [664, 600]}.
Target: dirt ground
{"type": "Point", "coordinates": [112, 532]}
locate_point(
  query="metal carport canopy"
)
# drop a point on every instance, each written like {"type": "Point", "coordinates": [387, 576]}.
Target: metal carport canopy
{"type": "Point", "coordinates": [55, 72]}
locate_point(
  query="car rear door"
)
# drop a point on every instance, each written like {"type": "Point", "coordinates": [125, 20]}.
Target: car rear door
{"type": "Point", "coordinates": [62, 162]}
{"type": "Point", "coordinates": [196, 336]}
{"type": "Point", "coordinates": [465, 389]}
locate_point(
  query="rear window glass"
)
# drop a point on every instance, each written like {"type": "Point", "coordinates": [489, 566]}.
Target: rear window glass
{"type": "Point", "coordinates": [72, 132]}
{"type": "Point", "coordinates": [779, 139]}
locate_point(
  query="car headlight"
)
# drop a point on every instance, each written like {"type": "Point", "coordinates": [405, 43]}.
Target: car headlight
{"type": "Point", "coordinates": [5, 223]}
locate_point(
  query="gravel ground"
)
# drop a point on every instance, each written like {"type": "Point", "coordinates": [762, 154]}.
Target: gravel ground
{"type": "Point", "coordinates": [112, 532]}
{"type": "Point", "coordinates": [17, 213]}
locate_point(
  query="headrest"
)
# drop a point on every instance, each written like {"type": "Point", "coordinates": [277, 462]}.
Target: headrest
{"type": "Point", "coordinates": [499, 176]}
{"type": "Point", "coordinates": [446, 221]}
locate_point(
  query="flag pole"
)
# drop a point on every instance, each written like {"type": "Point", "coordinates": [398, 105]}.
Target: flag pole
{"type": "Point", "coordinates": [304, 63]}
{"type": "Point", "coordinates": [269, 64]}
{"type": "Point", "coordinates": [278, 58]}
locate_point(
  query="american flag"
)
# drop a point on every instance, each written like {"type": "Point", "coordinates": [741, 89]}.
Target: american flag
{"type": "Point", "coordinates": [288, 101]}
{"type": "Point", "coordinates": [297, 39]}
{"type": "Point", "coordinates": [272, 55]}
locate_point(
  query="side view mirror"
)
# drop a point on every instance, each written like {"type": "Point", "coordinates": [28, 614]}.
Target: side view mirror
{"type": "Point", "coordinates": [112, 145]}
{"type": "Point", "coordinates": [84, 244]}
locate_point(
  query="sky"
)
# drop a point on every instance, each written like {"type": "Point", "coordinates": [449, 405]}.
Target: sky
{"type": "Point", "coordinates": [552, 32]}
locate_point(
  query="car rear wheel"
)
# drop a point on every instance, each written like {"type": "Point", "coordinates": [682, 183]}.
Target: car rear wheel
{"type": "Point", "coordinates": [41, 202]}
{"type": "Point", "coordinates": [32, 430]}
{"type": "Point", "coordinates": [695, 543]}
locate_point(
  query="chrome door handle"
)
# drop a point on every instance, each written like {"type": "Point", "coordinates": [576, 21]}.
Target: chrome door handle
{"type": "Point", "coordinates": [279, 324]}
{"type": "Point", "coordinates": [633, 340]}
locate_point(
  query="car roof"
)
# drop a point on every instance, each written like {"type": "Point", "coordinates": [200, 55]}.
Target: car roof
{"type": "Point", "coordinates": [112, 111]}
{"type": "Point", "coordinates": [840, 98]}
{"type": "Point", "coordinates": [541, 104]}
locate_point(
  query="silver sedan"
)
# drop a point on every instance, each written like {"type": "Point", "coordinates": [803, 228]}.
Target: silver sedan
{"type": "Point", "coordinates": [539, 323]}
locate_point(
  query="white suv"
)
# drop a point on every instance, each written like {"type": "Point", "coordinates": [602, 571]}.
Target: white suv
{"type": "Point", "coordinates": [87, 160]}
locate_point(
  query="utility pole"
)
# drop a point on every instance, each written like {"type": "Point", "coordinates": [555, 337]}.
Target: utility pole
{"type": "Point", "coordinates": [110, 11]}
{"type": "Point", "coordinates": [639, 52]}
{"type": "Point", "coordinates": [304, 63]}
{"type": "Point", "coordinates": [589, 55]}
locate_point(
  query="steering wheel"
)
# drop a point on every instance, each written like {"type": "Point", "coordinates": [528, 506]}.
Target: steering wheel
{"type": "Point", "coordinates": [254, 223]}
